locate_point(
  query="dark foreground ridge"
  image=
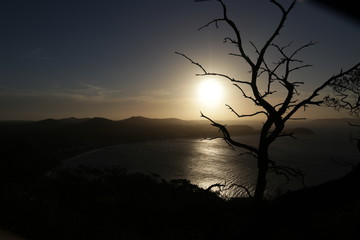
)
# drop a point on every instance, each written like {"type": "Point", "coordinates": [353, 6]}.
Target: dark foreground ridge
{"type": "Point", "coordinates": [112, 204]}
{"type": "Point", "coordinates": [108, 204]}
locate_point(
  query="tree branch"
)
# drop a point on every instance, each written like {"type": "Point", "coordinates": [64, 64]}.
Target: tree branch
{"type": "Point", "coordinates": [206, 73]}
{"type": "Point", "coordinates": [288, 135]}
{"type": "Point", "coordinates": [347, 93]}
{"type": "Point", "coordinates": [245, 95]}
{"type": "Point", "coordinates": [245, 115]}
{"type": "Point", "coordinates": [237, 34]}
{"type": "Point", "coordinates": [276, 32]}
{"type": "Point", "coordinates": [195, 63]}
{"type": "Point", "coordinates": [317, 90]}
{"type": "Point", "coordinates": [227, 136]}
{"type": "Point", "coordinates": [222, 187]}
{"type": "Point", "coordinates": [288, 172]}
{"type": "Point", "coordinates": [242, 187]}
{"type": "Point", "coordinates": [215, 21]}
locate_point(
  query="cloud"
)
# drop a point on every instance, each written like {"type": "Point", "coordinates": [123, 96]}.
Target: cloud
{"type": "Point", "coordinates": [92, 93]}
{"type": "Point", "coordinates": [88, 92]}
{"type": "Point", "coordinates": [155, 95]}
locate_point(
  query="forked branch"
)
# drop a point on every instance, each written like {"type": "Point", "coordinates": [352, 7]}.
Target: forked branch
{"type": "Point", "coordinates": [227, 136]}
{"type": "Point", "coordinates": [309, 100]}
{"type": "Point", "coordinates": [287, 172]}
{"type": "Point", "coordinates": [206, 73]}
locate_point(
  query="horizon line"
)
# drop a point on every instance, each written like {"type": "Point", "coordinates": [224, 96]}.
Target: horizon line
{"type": "Point", "coordinates": [167, 118]}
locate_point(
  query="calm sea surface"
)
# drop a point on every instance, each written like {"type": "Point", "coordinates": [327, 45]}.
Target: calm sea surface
{"type": "Point", "coordinates": [322, 157]}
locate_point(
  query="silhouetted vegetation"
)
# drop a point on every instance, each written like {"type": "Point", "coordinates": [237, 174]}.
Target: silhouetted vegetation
{"type": "Point", "coordinates": [270, 76]}
{"type": "Point", "coordinates": [88, 203]}
{"type": "Point", "coordinates": [346, 95]}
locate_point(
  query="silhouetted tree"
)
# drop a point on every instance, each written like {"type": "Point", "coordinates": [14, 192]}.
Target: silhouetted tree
{"type": "Point", "coordinates": [272, 72]}
{"type": "Point", "coordinates": [346, 94]}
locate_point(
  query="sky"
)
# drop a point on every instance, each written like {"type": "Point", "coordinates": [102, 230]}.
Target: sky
{"type": "Point", "coordinates": [115, 59]}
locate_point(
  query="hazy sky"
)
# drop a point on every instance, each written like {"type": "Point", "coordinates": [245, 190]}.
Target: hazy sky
{"type": "Point", "coordinates": [115, 59]}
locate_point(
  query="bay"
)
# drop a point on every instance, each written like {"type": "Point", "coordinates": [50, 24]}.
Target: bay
{"type": "Point", "coordinates": [328, 154]}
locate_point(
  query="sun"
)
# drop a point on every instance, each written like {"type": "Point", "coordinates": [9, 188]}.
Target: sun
{"type": "Point", "coordinates": [210, 92]}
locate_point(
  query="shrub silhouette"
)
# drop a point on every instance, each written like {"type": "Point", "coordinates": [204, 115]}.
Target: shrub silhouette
{"type": "Point", "coordinates": [87, 203]}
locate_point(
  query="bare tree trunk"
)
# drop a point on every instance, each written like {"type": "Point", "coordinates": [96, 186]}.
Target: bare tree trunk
{"type": "Point", "coordinates": [262, 162]}
{"type": "Point", "coordinates": [263, 165]}
{"type": "Point", "coordinates": [261, 182]}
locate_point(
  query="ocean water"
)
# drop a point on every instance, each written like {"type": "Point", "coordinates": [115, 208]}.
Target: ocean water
{"type": "Point", "coordinates": [325, 155]}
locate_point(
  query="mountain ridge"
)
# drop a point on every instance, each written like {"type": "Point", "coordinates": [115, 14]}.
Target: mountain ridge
{"type": "Point", "coordinates": [140, 126]}
{"type": "Point", "coordinates": [130, 129]}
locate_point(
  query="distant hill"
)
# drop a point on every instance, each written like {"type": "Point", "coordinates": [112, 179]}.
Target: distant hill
{"type": "Point", "coordinates": [96, 123]}
{"type": "Point", "coordinates": [142, 121]}
{"type": "Point", "coordinates": [46, 124]}
{"type": "Point", "coordinates": [74, 120]}
{"type": "Point", "coordinates": [130, 129]}
{"type": "Point", "coordinates": [333, 120]}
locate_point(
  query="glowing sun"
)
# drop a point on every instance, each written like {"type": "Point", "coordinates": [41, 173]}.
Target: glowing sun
{"type": "Point", "coordinates": [210, 91]}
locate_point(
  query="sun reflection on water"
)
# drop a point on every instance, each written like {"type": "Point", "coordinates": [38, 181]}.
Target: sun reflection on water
{"type": "Point", "coordinates": [213, 162]}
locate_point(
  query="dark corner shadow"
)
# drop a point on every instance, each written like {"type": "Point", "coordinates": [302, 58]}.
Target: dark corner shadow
{"type": "Point", "coordinates": [345, 8]}
{"type": "Point", "coordinates": [326, 211]}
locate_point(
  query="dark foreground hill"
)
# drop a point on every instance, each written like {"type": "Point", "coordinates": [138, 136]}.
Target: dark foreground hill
{"type": "Point", "coordinates": [115, 205]}
{"type": "Point", "coordinates": [111, 204]}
